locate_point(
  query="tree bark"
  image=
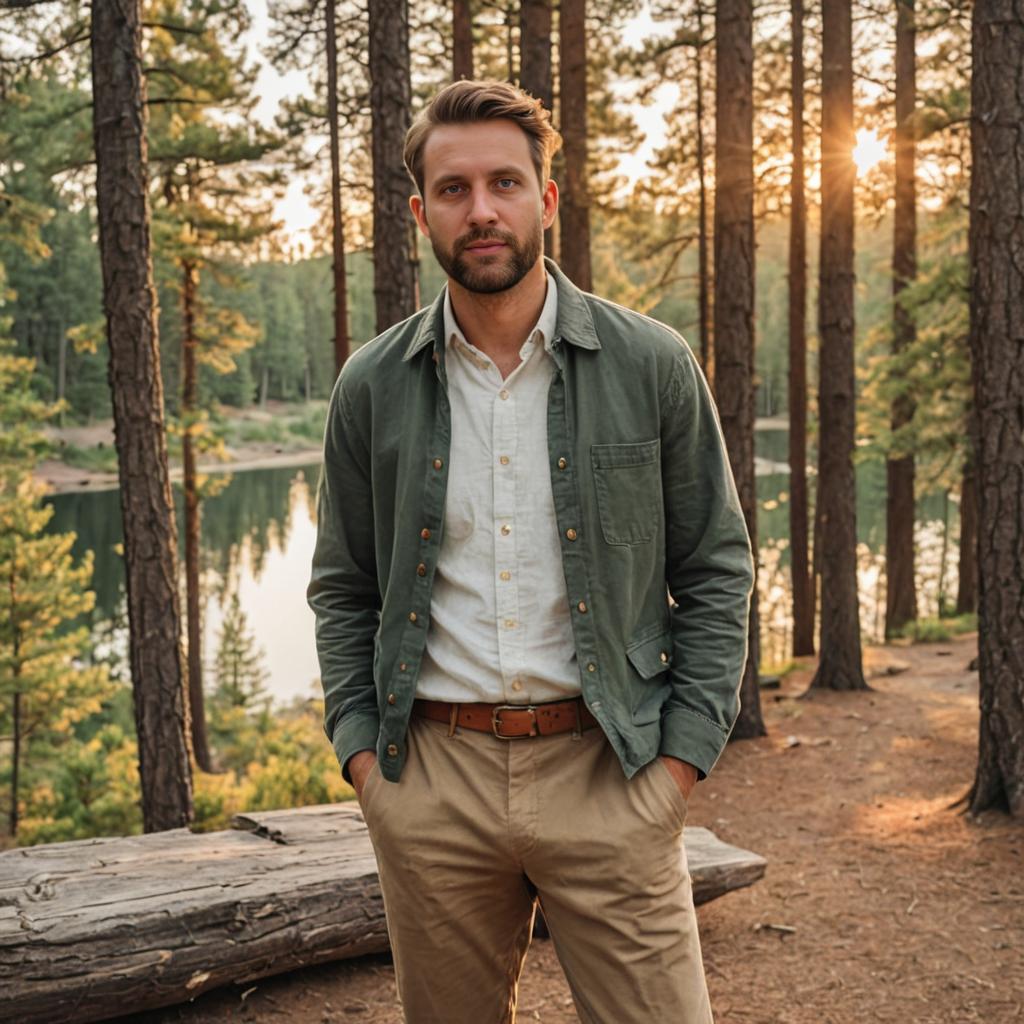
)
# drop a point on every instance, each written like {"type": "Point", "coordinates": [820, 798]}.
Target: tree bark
{"type": "Point", "coordinates": [462, 40]}
{"type": "Point", "coordinates": [341, 333]}
{"type": "Point", "coordinates": [734, 293]}
{"type": "Point", "coordinates": [129, 300]}
{"type": "Point", "coordinates": [395, 286]}
{"type": "Point", "coordinates": [839, 664]}
{"type": "Point", "coordinates": [996, 328]}
{"type": "Point", "coordinates": [901, 594]}
{"type": "Point", "coordinates": [575, 204]}
{"type": "Point", "coordinates": [190, 487]}
{"type": "Point", "coordinates": [967, 587]}
{"type": "Point", "coordinates": [707, 347]}
{"type": "Point", "coordinates": [535, 65]}
{"type": "Point", "coordinates": [802, 579]}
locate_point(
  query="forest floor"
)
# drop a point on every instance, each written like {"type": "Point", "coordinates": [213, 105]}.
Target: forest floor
{"type": "Point", "coordinates": [280, 434]}
{"type": "Point", "coordinates": [882, 899]}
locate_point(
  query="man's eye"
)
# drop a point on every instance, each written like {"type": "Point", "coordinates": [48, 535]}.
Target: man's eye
{"type": "Point", "coordinates": [506, 183]}
{"type": "Point", "coordinates": [450, 190]}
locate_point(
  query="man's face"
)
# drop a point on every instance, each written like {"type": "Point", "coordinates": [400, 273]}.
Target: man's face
{"type": "Point", "coordinates": [482, 206]}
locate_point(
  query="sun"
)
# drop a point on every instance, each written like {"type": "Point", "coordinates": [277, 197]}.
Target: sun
{"type": "Point", "coordinates": [869, 149]}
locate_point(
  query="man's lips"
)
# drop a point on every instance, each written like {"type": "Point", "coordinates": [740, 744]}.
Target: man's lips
{"type": "Point", "coordinates": [485, 247]}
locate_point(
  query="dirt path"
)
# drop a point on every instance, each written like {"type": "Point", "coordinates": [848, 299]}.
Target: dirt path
{"type": "Point", "coordinates": [902, 909]}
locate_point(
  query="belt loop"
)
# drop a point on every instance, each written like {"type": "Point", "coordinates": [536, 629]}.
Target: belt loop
{"type": "Point", "coordinates": [452, 718]}
{"type": "Point", "coordinates": [578, 728]}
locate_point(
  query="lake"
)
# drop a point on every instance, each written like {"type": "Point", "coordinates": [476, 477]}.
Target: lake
{"type": "Point", "coordinates": [258, 536]}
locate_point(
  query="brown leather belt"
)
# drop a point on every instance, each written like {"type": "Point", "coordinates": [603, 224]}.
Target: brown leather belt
{"type": "Point", "coordinates": [510, 721]}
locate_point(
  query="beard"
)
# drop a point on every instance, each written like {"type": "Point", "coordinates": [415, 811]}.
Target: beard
{"type": "Point", "coordinates": [496, 273]}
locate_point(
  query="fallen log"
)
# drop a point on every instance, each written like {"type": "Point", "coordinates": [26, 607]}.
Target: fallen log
{"type": "Point", "coordinates": [97, 928]}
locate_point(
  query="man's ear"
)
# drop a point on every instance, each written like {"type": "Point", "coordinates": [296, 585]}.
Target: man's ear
{"type": "Point", "coordinates": [549, 198]}
{"type": "Point", "coordinates": [419, 211]}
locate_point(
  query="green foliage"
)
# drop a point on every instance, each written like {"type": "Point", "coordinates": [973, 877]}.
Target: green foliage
{"type": "Point", "coordinates": [936, 630]}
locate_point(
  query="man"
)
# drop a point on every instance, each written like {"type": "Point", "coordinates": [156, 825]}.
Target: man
{"type": "Point", "coordinates": [513, 479]}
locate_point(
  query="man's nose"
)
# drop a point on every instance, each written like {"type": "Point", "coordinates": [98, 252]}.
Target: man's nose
{"type": "Point", "coordinates": [482, 209]}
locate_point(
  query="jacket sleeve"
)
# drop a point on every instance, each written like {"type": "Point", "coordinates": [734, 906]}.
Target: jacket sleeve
{"type": "Point", "coordinates": [709, 568]}
{"type": "Point", "coordinates": [343, 590]}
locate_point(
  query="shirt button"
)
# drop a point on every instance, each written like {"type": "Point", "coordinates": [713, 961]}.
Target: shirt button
{"type": "Point", "coordinates": [425, 533]}
{"type": "Point", "coordinates": [505, 574]}
{"type": "Point", "coordinates": [392, 698]}
{"type": "Point", "coordinates": [664, 656]}
{"type": "Point", "coordinates": [562, 463]}
{"type": "Point", "coordinates": [506, 529]}
{"type": "Point", "coordinates": [516, 685]}
{"type": "Point", "coordinates": [504, 460]}
{"type": "Point", "coordinates": [412, 616]}
{"type": "Point", "coordinates": [392, 750]}
{"type": "Point", "coordinates": [503, 394]}
{"type": "Point", "coordinates": [510, 623]}
{"type": "Point", "coordinates": [582, 606]}
{"type": "Point", "coordinates": [438, 463]}
{"type": "Point", "coordinates": [570, 533]}
{"type": "Point", "coordinates": [591, 667]}
{"type": "Point", "coordinates": [421, 570]}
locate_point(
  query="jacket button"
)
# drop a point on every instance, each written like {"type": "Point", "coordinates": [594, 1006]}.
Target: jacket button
{"type": "Point", "coordinates": [570, 533]}
{"type": "Point", "coordinates": [402, 667]}
{"type": "Point", "coordinates": [392, 750]}
{"type": "Point", "coordinates": [438, 463]}
{"type": "Point", "coordinates": [591, 667]}
{"type": "Point", "coordinates": [392, 698]}
{"type": "Point", "coordinates": [425, 533]}
{"type": "Point", "coordinates": [562, 463]}
{"type": "Point", "coordinates": [412, 616]}
{"type": "Point", "coordinates": [582, 606]}
{"type": "Point", "coordinates": [421, 570]}
{"type": "Point", "coordinates": [664, 657]}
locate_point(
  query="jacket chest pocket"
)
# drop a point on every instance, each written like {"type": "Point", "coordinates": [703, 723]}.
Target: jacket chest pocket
{"type": "Point", "coordinates": [627, 478]}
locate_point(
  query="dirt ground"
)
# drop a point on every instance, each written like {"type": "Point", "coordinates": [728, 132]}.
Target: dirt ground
{"type": "Point", "coordinates": [882, 901]}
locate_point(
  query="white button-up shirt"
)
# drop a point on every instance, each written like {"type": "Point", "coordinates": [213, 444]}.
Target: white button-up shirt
{"type": "Point", "coordinates": [500, 627]}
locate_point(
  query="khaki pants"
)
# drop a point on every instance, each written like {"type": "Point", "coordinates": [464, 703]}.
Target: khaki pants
{"type": "Point", "coordinates": [476, 822]}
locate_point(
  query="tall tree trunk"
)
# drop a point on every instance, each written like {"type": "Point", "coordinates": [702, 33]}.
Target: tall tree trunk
{"type": "Point", "coordinates": [15, 731]}
{"type": "Point", "coordinates": [129, 301]}
{"type": "Point", "coordinates": [535, 64]}
{"type": "Point", "coordinates": [575, 204]}
{"type": "Point", "coordinates": [901, 596]}
{"type": "Point", "coordinates": [802, 579]}
{"type": "Point", "coordinates": [462, 43]}
{"type": "Point", "coordinates": [997, 315]}
{"type": "Point", "coordinates": [341, 335]}
{"type": "Point", "coordinates": [395, 285]}
{"type": "Point", "coordinates": [189, 402]}
{"type": "Point", "coordinates": [967, 588]}
{"type": "Point", "coordinates": [839, 664]}
{"type": "Point", "coordinates": [734, 293]}
{"type": "Point", "coordinates": [707, 348]}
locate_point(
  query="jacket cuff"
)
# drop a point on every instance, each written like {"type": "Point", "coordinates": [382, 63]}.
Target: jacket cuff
{"type": "Point", "coordinates": [692, 737]}
{"type": "Point", "coordinates": [356, 731]}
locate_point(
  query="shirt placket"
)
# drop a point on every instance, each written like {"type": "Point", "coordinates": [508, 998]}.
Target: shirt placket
{"type": "Point", "coordinates": [504, 438]}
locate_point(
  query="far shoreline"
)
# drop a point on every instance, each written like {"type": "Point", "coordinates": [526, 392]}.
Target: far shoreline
{"type": "Point", "coordinates": [61, 478]}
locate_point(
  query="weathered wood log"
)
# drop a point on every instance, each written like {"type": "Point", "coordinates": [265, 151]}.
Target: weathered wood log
{"type": "Point", "coordinates": [97, 928]}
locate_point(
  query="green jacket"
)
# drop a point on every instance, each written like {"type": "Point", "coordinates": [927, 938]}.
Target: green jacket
{"type": "Point", "coordinates": [644, 498]}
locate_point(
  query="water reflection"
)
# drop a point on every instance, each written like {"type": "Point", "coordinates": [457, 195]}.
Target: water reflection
{"type": "Point", "coordinates": [258, 536]}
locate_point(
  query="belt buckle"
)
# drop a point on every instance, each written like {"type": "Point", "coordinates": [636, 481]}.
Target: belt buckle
{"type": "Point", "coordinates": [496, 720]}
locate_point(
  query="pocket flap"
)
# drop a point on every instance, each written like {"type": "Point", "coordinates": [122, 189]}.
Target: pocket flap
{"type": "Point", "coordinates": [651, 655]}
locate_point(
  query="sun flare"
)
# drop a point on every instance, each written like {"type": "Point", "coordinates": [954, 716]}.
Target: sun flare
{"type": "Point", "coordinates": [869, 149]}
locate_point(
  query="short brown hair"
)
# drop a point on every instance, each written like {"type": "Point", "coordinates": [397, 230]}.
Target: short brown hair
{"type": "Point", "coordinates": [466, 101]}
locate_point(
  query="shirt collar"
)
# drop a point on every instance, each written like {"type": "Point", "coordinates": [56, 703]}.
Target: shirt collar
{"type": "Point", "coordinates": [545, 324]}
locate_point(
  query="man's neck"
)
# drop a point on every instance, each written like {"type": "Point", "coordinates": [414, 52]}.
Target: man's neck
{"type": "Point", "coordinates": [498, 323]}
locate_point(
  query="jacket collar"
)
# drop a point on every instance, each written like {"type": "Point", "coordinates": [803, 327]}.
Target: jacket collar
{"type": "Point", "coordinates": [574, 323]}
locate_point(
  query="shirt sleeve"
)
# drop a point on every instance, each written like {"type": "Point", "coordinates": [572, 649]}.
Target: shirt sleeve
{"type": "Point", "coordinates": [709, 569]}
{"type": "Point", "coordinates": [343, 590]}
